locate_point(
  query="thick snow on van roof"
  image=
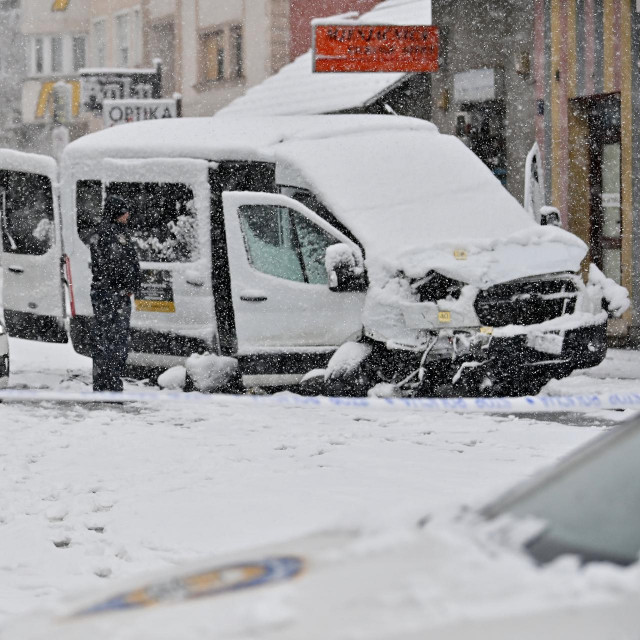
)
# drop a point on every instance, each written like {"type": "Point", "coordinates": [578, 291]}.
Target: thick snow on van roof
{"type": "Point", "coordinates": [225, 138]}
{"type": "Point", "coordinates": [395, 182]}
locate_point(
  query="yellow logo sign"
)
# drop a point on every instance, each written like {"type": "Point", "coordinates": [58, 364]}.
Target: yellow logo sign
{"type": "Point", "coordinates": [460, 254]}
{"type": "Point", "coordinates": [444, 316]}
{"type": "Point", "coordinates": [486, 330]}
{"type": "Point", "coordinates": [45, 98]}
{"type": "Point", "coordinates": [60, 5]}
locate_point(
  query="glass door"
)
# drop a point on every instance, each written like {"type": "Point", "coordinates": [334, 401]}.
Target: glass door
{"type": "Point", "coordinates": [606, 219]}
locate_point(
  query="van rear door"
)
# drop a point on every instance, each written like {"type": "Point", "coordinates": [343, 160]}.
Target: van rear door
{"type": "Point", "coordinates": [33, 295]}
{"type": "Point", "coordinates": [173, 314]}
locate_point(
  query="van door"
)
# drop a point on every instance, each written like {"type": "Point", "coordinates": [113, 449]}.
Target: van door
{"type": "Point", "coordinates": [281, 300]}
{"type": "Point", "coordinates": [31, 247]}
{"type": "Point", "coordinates": [534, 197]}
{"type": "Point", "coordinates": [174, 313]}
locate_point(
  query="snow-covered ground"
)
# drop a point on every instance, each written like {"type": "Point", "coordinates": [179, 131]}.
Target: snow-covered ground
{"type": "Point", "coordinates": [91, 494]}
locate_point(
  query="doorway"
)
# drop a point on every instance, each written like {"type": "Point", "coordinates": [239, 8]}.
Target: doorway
{"type": "Point", "coordinates": [605, 195]}
{"type": "Point", "coordinates": [481, 126]}
{"type": "Point", "coordinates": [595, 179]}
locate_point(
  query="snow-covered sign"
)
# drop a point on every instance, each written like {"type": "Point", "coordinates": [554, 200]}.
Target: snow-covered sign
{"type": "Point", "coordinates": [97, 85]}
{"type": "Point", "coordinates": [121, 111]}
{"type": "Point", "coordinates": [366, 48]}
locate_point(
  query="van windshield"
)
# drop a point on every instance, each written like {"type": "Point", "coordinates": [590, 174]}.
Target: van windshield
{"type": "Point", "coordinates": [163, 224]}
{"type": "Point", "coordinates": [26, 210]}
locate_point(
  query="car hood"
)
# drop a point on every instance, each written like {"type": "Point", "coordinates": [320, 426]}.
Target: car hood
{"type": "Point", "coordinates": [483, 263]}
{"type": "Point", "coordinates": [447, 581]}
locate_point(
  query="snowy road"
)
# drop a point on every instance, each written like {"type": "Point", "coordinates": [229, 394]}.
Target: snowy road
{"type": "Point", "coordinates": [94, 493]}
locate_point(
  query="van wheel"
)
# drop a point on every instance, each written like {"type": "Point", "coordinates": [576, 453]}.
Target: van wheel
{"type": "Point", "coordinates": [354, 385]}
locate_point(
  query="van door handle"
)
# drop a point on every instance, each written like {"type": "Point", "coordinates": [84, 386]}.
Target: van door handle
{"type": "Point", "coordinates": [196, 283]}
{"type": "Point", "coordinates": [15, 269]}
{"type": "Point", "coordinates": [253, 296]}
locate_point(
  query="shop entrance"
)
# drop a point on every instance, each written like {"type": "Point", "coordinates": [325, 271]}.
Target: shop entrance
{"type": "Point", "coordinates": [480, 125]}
{"type": "Point", "coordinates": [594, 180]}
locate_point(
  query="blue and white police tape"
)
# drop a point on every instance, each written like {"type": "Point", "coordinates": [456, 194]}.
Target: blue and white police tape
{"type": "Point", "coordinates": [530, 404]}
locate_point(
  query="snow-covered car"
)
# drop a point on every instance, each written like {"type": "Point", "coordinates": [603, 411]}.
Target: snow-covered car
{"type": "Point", "coordinates": [253, 234]}
{"type": "Point", "coordinates": [4, 357]}
{"type": "Point", "coordinates": [484, 576]}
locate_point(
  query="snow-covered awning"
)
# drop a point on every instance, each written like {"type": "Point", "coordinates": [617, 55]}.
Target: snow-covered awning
{"type": "Point", "coordinates": [296, 90]}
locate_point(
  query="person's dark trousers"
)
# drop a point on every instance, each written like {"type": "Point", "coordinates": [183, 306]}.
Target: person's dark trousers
{"type": "Point", "coordinates": [110, 340]}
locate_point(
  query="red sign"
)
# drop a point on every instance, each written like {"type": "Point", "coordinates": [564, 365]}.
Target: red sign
{"type": "Point", "coordinates": [375, 48]}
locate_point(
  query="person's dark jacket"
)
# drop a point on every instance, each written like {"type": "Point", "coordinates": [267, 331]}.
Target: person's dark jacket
{"type": "Point", "coordinates": [114, 261]}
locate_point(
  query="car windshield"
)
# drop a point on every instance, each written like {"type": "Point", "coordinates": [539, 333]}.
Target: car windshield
{"type": "Point", "coordinates": [589, 503]}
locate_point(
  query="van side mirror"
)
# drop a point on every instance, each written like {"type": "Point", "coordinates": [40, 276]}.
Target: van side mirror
{"type": "Point", "coordinates": [345, 268]}
{"type": "Point", "coordinates": [549, 216]}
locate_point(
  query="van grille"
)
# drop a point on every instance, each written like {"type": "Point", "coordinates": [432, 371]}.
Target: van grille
{"type": "Point", "coordinates": [526, 302]}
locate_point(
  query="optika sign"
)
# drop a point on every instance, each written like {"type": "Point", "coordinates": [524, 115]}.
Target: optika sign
{"type": "Point", "coordinates": [361, 48]}
{"type": "Point", "coordinates": [123, 111]}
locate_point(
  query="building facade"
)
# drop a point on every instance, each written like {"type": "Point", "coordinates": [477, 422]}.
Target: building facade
{"type": "Point", "coordinates": [211, 51]}
{"type": "Point", "coordinates": [12, 73]}
{"type": "Point", "coordinates": [56, 37]}
{"type": "Point", "coordinates": [484, 90]}
{"type": "Point", "coordinates": [302, 12]}
{"type": "Point", "coordinates": [563, 73]}
{"type": "Point", "coordinates": [587, 120]}
{"type": "Point", "coordinates": [297, 90]}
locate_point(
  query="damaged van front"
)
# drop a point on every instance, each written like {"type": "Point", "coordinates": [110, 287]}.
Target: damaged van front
{"type": "Point", "coordinates": [497, 318]}
{"type": "Point", "coordinates": [467, 294]}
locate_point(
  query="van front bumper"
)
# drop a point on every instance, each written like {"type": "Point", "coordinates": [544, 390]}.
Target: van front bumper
{"type": "Point", "coordinates": [582, 348]}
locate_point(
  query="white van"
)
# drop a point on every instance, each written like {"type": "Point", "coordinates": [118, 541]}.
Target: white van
{"type": "Point", "coordinates": [234, 218]}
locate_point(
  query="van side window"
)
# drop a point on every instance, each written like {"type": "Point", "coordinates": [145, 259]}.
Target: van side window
{"type": "Point", "coordinates": [26, 213]}
{"type": "Point", "coordinates": [313, 245]}
{"type": "Point", "coordinates": [269, 240]}
{"type": "Point", "coordinates": [283, 243]}
{"type": "Point", "coordinates": [88, 207]}
{"type": "Point", "coordinates": [164, 224]}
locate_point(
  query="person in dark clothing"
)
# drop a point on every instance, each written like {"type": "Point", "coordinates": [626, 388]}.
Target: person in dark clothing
{"type": "Point", "coordinates": [116, 276]}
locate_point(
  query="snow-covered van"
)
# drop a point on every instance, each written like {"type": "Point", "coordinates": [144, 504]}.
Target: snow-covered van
{"type": "Point", "coordinates": [254, 235]}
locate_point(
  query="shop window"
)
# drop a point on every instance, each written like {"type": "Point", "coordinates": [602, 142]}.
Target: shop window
{"type": "Point", "coordinates": [481, 126]}
{"type": "Point", "coordinates": [26, 211]}
{"type": "Point", "coordinates": [212, 56]}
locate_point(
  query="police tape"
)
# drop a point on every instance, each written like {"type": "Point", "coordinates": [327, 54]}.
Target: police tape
{"type": "Point", "coordinates": [529, 404]}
